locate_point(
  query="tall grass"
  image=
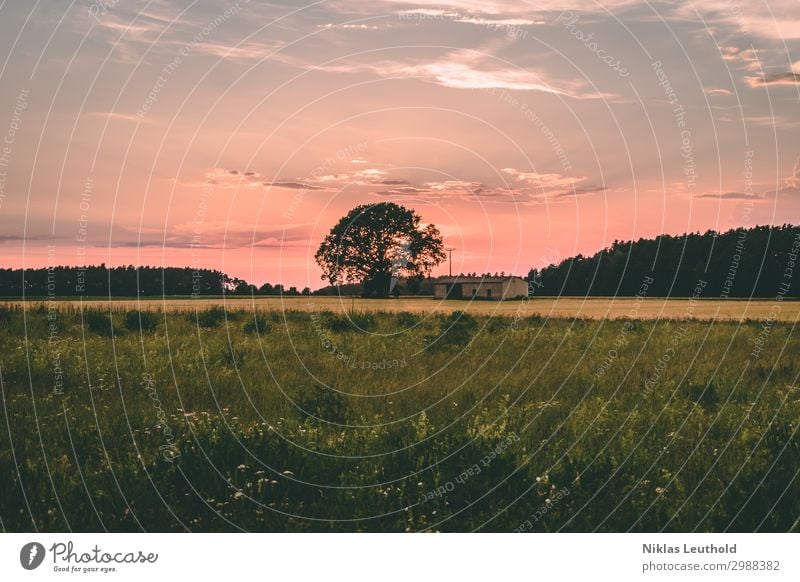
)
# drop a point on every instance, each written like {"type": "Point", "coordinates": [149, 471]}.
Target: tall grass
{"type": "Point", "coordinates": [217, 421]}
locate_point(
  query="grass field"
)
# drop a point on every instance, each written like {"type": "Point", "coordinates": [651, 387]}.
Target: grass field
{"type": "Point", "coordinates": [362, 421]}
{"type": "Point", "coordinates": [559, 307]}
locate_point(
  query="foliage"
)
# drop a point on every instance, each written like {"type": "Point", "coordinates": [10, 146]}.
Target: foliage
{"type": "Point", "coordinates": [258, 323]}
{"type": "Point", "coordinates": [738, 263]}
{"type": "Point", "coordinates": [374, 243]}
{"type": "Point", "coordinates": [141, 320]}
{"type": "Point", "coordinates": [97, 321]}
{"type": "Point", "coordinates": [211, 317]}
{"type": "Point", "coordinates": [455, 330]}
{"type": "Point", "coordinates": [129, 281]}
{"type": "Point", "coordinates": [352, 321]}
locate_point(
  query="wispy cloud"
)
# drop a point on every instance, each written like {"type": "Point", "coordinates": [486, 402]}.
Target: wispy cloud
{"type": "Point", "coordinates": [525, 188]}
{"type": "Point", "coordinates": [746, 57]}
{"type": "Point", "coordinates": [471, 69]}
{"type": "Point", "coordinates": [774, 79]}
{"type": "Point", "coordinates": [777, 19]}
{"type": "Point", "coordinates": [217, 235]}
{"type": "Point", "coordinates": [793, 181]}
{"type": "Point", "coordinates": [731, 196]}
{"type": "Point", "coordinates": [293, 185]}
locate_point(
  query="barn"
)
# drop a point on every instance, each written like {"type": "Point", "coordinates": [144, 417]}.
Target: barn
{"type": "Point", "coordinates": [494, 288]}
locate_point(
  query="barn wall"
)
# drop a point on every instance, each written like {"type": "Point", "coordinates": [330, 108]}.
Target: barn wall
{"type": "Point", "coordinates": [505, 290]}
{"type": "Point", "coordinates": [515, 288]}
{"type": "Point", "coordinates": [496, 289]}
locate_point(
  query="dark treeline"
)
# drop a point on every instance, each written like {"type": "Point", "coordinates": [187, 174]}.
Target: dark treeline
{"type": "Point", "coordinates": [129, 281]}
{"type": "Point", "coordinates": [758, 262]}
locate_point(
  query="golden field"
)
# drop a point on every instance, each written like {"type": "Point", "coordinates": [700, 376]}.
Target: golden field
{"type": "Point", "coordinates": [563, 307]}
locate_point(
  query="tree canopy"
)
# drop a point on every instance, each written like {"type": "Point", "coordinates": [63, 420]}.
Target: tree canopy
{"type": "Point", "coordinates": [754, 262]}
{"type": "Point", "coordinates": [376, 244]}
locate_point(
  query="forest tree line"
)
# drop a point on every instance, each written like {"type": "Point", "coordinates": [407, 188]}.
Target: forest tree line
{"type": "Point", "coordinates": [758, 262]}
{"type": "Point", "coordinates": [755, 262]}
{"type": "Point", "coordinates": [129, 281]}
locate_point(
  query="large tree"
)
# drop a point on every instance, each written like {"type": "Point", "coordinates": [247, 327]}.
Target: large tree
{"type": "Point", "coordinates": [376, 244]}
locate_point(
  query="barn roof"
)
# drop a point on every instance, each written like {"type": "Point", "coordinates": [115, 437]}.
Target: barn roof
{"type": "Point", "coordinates": [448, 280]}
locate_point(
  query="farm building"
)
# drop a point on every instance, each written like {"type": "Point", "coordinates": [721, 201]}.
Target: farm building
{"type": "Point", "coordinates": [496, 288]}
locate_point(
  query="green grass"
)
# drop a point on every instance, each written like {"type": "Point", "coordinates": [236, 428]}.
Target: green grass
{"type": "Point", "coordinates": [315, 421]}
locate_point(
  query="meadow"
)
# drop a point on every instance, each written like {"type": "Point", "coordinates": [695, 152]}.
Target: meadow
{"type": "Point", "coordinates": [326, 419]}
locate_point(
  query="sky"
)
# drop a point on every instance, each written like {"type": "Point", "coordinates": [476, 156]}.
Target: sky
{"type": "Point", "coordinates": [234, 135]}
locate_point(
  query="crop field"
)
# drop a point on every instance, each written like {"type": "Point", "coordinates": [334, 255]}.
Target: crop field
{"type": "Point", "coordinates": [559, 307]}
{"type": "Point", "coordinates": [326, 418]}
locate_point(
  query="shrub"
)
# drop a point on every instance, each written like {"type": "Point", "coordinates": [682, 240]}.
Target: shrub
{"type": "Point", "coordinates": [406, 319]}
{"type": "Point", "coordinates": [210, 317]}
{"type": "Point", "coordinates": [140, 320]}
{"type": "Point", "coordinates": [455, 330]}
{"type": "Point", "coordinates": [354, 321]}
{"type": "Point", "coordinates": [258, 324]}
{"type": "Point", "coordinates": [97, 322]}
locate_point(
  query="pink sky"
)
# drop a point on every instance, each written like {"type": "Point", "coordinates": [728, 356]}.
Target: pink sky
{"type": "Point", "coordinates": [234, 136]}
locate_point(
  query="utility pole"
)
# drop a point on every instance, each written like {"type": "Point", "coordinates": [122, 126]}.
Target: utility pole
{"type": "Point", "coordinates": [450, 254]}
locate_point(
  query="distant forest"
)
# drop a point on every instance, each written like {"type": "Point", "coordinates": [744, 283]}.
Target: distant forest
{"type": "Point", "coordinates": [758, 262]}
{"type": "Point", "coordinates": [129, 281]}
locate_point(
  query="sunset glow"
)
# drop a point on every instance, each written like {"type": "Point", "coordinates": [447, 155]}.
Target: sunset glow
{"type": "Point", "coordinates": [233, 136]}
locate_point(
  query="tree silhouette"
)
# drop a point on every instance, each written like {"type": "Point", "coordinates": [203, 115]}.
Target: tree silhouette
{"type": "Point", "coordinates": [738, 263]}
{"type": "Point", "coordinates": [376, 243]}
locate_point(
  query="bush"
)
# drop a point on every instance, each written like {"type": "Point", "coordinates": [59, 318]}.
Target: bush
{"type": "Point", "coordinates": [354, 321]}
{"type": "Point", "coordinates": [455, 330]}
{"type": "Point", "coordinates": [97, 322]}
{"type": "Point", "coordinates": [258, 324]}
{"type": "Point", "coordinates": [140, 320]}
{"type": "Point", "coordinates": [210, 317]}
{"type": "Point", "coordinates": [407, 320]}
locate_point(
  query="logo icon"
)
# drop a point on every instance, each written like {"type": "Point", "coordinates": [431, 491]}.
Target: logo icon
{"type": "Point", "coordinates": [31, 555]}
